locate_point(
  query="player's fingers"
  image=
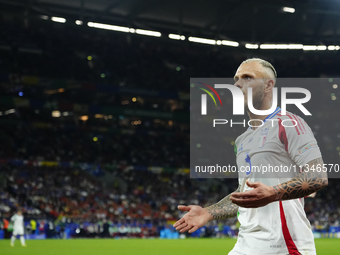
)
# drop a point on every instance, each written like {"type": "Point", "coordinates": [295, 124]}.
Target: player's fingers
{"type": "Point", "coordinates": [243, 203]}
{"type": "Point", "coordinates": [186, 228]}
{"type": "Point", "coordinates": [183, 208]}
{"type": "Point", "coordinates": [250, 193]}
{"type": "Point", "coordinates": [183, 225]}
{"type": "Point", "coordinates": [253, 184]}
{"type": "Point", "coordinates": [179, 222]}
{"type": "Point", "coordinates": [193, 230]}
{"type": "Point", "coordinates": [236, 202]}
{"type": "Point", "coordinates": [244, 199]}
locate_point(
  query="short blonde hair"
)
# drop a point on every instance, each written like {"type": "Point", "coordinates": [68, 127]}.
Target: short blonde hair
{"type": "Point", "coordinates": [263, 62]}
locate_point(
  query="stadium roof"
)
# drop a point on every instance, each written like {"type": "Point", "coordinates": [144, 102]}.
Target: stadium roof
{"type": "Point", "coordinates": [248, 21]}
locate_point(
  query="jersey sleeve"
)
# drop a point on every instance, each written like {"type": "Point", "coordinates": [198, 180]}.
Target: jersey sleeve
{"type": "Point", "coordinates": [299, 140]}
{"type": "Point", "coordinates": [13, 218]}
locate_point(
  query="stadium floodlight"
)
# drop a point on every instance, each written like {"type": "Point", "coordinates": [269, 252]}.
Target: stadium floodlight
{"type": "Point", "coordinates": [281, 46]}
{"type": "Point", "coordinates": [309, 47]}
{"type": "Point", "coordinates": [56, 114]}
{"type": "Point", "coordinates": [314, 47]}
{"type": "Point", "coordinates": [251, 46]}
{"type": "Point", "coordinates": [202, 40]}
{"type": "Point", "coordinates": [331, 47]}
{"type": "Point", "coordinates": [108, 27]}
{"type": "Point", "coordinates": [148, 32]}
{"type": "Point", "coordinates": [230, 43]}
{"type": "Point", "coordinates": [288, 9]}
{"type": "Point", "coordinates": [268, 46]}
{"type": "Point", "coordinates": [9, 111]}
{"type": "Point", "coordinates": [295, 46]}
{"type": "Point", "coordinates": [45, 17]}
{"type": "Point", "coordinates": [321, 47]}
{"type": "Point", "coordinates": [79, 22]}
{"type": "Point", "coordinates": [58, 19]}
{"type": "Point", "coordinates": [177, 37]}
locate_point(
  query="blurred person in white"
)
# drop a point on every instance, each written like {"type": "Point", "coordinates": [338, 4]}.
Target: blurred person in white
{"type": "Point", "coordinates": [18, 228]}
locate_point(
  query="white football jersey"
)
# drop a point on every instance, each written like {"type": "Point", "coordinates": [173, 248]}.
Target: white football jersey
{"type": "Point", "coordinates": [280, 227]}
{"type": "Point", "coordinates": [18, 221]}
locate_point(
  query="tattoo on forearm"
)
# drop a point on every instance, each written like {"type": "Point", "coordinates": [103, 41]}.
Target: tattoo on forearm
{"type": "Point", "coordinates": [304, 184]}
{"type": "Point", "coordinates": [223, 209]}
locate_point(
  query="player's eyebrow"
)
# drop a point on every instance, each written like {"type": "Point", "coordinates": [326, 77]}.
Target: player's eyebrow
{"type": "Point", "coordinates": [247, 74]}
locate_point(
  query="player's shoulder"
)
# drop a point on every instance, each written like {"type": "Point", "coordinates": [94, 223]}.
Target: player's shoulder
{"type": "Point", "coordinates": [290, 116]}
{"type": "Point", "coordinates": [295, 121]}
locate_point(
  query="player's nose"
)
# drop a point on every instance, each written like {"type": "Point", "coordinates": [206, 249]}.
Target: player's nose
{"type": "Point", "coordinates": [238, 84]}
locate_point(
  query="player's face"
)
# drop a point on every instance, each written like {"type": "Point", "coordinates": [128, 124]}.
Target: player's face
{"type": "Point", "coordinates": [252, 75]}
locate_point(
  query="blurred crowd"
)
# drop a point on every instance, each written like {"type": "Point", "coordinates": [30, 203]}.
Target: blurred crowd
{"type": "Point", "coordinates": [69, 144]}
{"type": "Point", "coordinates": [73, 193]}
{"type": "Point", "coordinates": [141, 200]}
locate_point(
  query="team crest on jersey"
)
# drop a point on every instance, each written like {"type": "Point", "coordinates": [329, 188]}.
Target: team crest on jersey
{"type": "Point", "coordinates": [263, 137]}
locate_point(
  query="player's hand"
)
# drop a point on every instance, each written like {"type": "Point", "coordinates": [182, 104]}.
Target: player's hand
{"type": "Point", "coordinates": [261, 195]}
{"type": "Point", "coordinates": [195, 218]}
{"type": "Point", "coordinates": [312, 195]}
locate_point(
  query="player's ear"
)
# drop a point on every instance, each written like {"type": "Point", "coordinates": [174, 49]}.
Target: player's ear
{"type": "Point", "coordinates": [270, 83]}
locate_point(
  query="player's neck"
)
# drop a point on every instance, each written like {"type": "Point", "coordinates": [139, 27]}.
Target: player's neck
{"type": "Point", "coordinates": [257, 120]}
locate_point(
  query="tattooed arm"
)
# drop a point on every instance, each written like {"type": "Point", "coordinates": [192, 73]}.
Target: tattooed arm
{"type": "Point", "coordinates": [304, 184]}
{"type": "Point", "coordinates": [197, 216]}
{"type": "Point", "coordinates": [223, 209]}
